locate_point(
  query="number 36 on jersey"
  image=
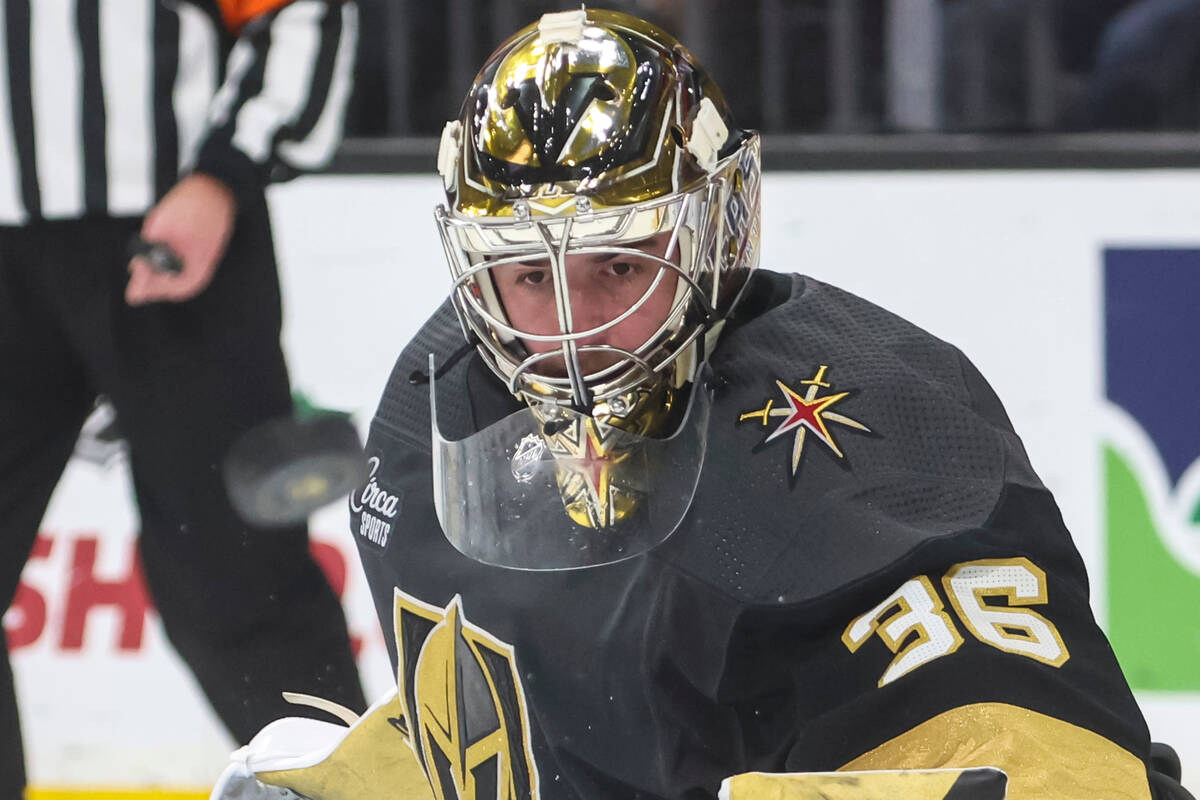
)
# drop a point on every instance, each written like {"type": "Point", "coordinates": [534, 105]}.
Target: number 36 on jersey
{"type": "Point", "coordinates": [992, 598]}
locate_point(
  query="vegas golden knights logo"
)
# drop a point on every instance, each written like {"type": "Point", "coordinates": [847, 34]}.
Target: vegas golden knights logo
{"type": "Point", "coordinates": [465, 705]}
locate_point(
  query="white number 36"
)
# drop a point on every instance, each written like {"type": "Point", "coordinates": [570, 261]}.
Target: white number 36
{"type": "Point", "coordinates": [1005, 623]}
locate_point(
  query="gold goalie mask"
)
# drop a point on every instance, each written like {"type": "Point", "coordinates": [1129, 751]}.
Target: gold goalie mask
{"type": "Point", "coordinates": [602, 215]}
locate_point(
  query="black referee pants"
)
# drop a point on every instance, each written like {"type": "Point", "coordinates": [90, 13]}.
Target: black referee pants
{"type": "Point", "coordinates": [248, 610]}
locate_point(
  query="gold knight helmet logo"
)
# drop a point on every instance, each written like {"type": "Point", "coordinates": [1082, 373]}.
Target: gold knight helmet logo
{"type": "Point", "coordinates": [465, 704]}
{"type": "Point", "coordinates": [566, 93]}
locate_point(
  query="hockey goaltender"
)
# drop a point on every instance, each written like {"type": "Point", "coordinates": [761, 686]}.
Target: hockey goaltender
{"type": "Point", "coordinates": [679, 527]}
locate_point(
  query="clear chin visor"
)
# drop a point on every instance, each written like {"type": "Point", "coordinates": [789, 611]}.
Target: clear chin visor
{"type": "Point", "coordinates": [548, 488]}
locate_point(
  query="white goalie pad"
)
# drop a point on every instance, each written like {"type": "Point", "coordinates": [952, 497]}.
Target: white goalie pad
{"type": "Point", "coordinates": [304, 758]}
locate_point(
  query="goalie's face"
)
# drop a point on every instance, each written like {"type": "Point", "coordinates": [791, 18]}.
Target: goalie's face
{"type": "Point", "coordinates": [625, 297]}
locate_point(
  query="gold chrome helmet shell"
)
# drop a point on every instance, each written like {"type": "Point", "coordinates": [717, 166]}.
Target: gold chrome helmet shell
{"type": "Point", "coordinates": [590, 132]}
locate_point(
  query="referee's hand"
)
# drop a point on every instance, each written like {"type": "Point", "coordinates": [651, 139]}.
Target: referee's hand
{"type": "Point", "coordinates": [194, 219]}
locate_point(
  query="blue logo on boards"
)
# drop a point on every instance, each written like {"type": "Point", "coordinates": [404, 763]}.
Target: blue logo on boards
{"type": "Point", "coordinates": [1151, 446]}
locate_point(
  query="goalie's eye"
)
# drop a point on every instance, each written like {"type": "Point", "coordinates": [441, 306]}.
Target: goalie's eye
{"type": "Point", "coordinates": [534, 277]}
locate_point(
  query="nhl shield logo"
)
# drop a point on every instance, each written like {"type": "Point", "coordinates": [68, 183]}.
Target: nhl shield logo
{"type": "Point", "coordinates": [462, 695]}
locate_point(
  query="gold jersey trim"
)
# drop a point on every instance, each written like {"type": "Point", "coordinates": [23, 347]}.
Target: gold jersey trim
{"type": "Point", "coordinates": [373, 762]}
{"type": "Point", "coordinates": [933, 784]}
{"type": "Point", "coordinates": [1045, 758]}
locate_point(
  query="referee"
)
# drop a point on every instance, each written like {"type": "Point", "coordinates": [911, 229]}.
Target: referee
{"type": "Point", "coordinates": [165, 118]}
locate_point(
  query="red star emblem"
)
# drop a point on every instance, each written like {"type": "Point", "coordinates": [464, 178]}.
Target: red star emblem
{"type": "Point", "coordinates": [806, 413]}
{"type": "Point", "coordinates": [809, 413]}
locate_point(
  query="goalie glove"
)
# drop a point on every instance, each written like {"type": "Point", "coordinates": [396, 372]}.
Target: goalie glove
{"type": "Point", "coordinates": [297, 758]}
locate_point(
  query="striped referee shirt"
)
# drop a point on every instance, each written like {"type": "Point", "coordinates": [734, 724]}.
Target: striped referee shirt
{"type": "Point", "coordinates": [104, 104]}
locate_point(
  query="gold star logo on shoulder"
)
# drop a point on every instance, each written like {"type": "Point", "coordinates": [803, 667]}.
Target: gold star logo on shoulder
{"type": "Point", "coordinates": [803, 414]}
